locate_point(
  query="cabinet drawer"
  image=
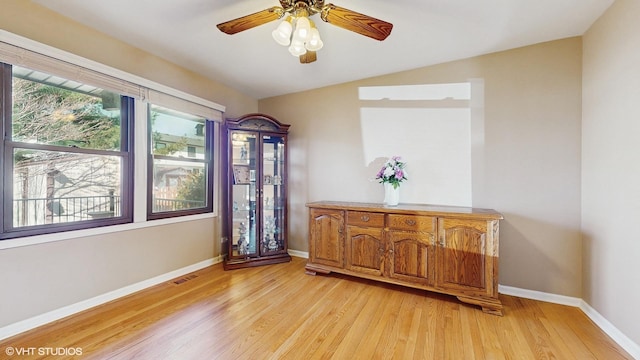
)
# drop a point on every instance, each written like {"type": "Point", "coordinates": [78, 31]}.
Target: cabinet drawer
{"type": "Point", "coordinates": [360, 218]}
{"type": "Point", "coordinates": [412, 223]}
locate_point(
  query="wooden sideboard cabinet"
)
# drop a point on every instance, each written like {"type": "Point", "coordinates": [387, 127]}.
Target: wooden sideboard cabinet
{"type": "Point", "coordinates": [446, 249]}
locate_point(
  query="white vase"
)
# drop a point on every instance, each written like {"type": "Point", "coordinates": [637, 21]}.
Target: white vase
{"type": "Point", "coordinates": [391, 195]}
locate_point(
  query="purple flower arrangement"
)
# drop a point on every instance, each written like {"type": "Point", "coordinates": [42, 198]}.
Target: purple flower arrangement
{"type": "Point", "coordinates": [392, 172]}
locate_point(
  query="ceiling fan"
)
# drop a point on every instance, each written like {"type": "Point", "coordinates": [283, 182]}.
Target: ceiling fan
{"type": "Point", "coordinates": [299, 33]}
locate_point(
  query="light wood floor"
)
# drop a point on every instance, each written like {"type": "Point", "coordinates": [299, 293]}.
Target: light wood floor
{"type": "Point", "coordinates": [278, 312]}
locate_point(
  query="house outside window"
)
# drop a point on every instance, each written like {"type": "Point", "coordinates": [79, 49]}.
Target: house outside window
{"type": "Point", "coordinates": [66, 162]}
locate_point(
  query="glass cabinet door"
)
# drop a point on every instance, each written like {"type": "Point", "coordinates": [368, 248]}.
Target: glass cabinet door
{"type": "Point", "coordinates": [273, 194]}
{"type": "Point", "coordinates": [244, 194]}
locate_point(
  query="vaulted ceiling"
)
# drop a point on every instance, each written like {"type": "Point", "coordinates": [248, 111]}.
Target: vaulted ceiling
{"type": "Point", "coordinates": [425, 32]}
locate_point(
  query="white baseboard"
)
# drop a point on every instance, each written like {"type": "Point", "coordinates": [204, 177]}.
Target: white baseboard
{"type": "Point", "coordinates": [541, 296]}
{"type": "Point", "coordinates": [627, 344]}
{"type": "Point", "coordinates": [300, 254]}
{"type": "Point", "coordinates": [621, 339]}
{"type": "Point", "coordinates": [34, 322]}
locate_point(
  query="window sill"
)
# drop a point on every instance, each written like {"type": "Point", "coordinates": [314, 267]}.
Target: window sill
{"type": "Point", "coordinates": [68, 235]}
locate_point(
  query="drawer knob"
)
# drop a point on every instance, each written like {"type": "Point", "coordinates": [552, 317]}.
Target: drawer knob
{"type": "Point", "coordinates": [364, 218]}
{"type": "Point", "coordinates": [410, 222]}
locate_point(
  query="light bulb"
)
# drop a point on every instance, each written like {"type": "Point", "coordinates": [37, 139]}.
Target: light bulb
{"type": "Point", "coordinates": [282, 34]}
{"type": "Point", "coordinates": [314, 43]}
{"type": "Point", "coordinates": [297, 48]}
{"type": "Point", "coordinates": [303, 29]}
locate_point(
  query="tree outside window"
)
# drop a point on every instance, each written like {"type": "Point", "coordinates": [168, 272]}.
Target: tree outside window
{"type": "Point", "coordinates": [66, 140]}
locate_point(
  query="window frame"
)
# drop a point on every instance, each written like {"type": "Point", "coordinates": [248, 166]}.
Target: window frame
{"type": "Point", "coordinates": [209, 161]}
{"type": "Point", "coordinates": [125, 153]}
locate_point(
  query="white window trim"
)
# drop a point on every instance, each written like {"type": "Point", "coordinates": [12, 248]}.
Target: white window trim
{"type": "Point", "coordinates": [141, 147]}
{"type": "Point", "coordinates": [31, 45]}
{"type": "Point", "coordinates": [75, 234]}
{"type": "Point", "coordinates": [213, 111]}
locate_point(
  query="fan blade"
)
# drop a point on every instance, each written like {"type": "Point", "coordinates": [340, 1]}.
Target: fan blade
{"type": "Point", "coordinates": [356, 22]}
{"type": "Point", "coordinates": [251, 21]}
{"type": "Point", "coordinates": [308, 57]}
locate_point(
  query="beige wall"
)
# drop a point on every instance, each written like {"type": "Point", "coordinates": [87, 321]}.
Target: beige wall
{"type": "Point", "coordinates": [45, 277]}
{"type": "Point", "coordinates": [527, 165]}
{"type": "Point", "coordinates": [611, 166]}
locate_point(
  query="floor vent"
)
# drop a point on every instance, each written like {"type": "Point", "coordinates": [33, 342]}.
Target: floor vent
{"type": "Point", "coordinates": [184, 279]}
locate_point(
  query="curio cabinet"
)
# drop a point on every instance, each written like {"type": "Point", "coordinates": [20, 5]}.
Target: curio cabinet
{"type": "Point", "coordinates": [257, 191]}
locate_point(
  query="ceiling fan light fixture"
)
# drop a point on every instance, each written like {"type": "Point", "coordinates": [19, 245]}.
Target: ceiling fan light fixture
{"type": "Point", "coordinates": [299, 33]}
{"type": "Point", "coordinates": [282, 34]}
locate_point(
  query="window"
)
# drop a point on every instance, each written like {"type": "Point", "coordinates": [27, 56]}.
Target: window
{"type": "Point", "coordinates": [67, 149]}
{"type": "Point", "coordinates": [65, 154]}
{"type": "Point", "coordinates": [180, 171]}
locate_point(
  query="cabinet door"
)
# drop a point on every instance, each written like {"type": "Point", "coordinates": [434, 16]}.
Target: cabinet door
{"type": "Point", "coordinates": [272, 193]}
{"type": "Point", "coordinates": [411, 256]}
{"type": "Point", "coordinates": [365, 250]}
{"type": "Point", "coordinates": [244, 230]}
{"type": "Point", "coordinates": [465, 257]}
{"type": "Point", "coordinates": [326, 237]}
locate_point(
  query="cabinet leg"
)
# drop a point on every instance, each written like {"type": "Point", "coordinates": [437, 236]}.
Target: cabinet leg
{"type": "Point", "coordinates": [310, 269]}
{"type": "Point", "coordinates": [489, 306]}
{"type": "Point", "coordinates": [492, 311]}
